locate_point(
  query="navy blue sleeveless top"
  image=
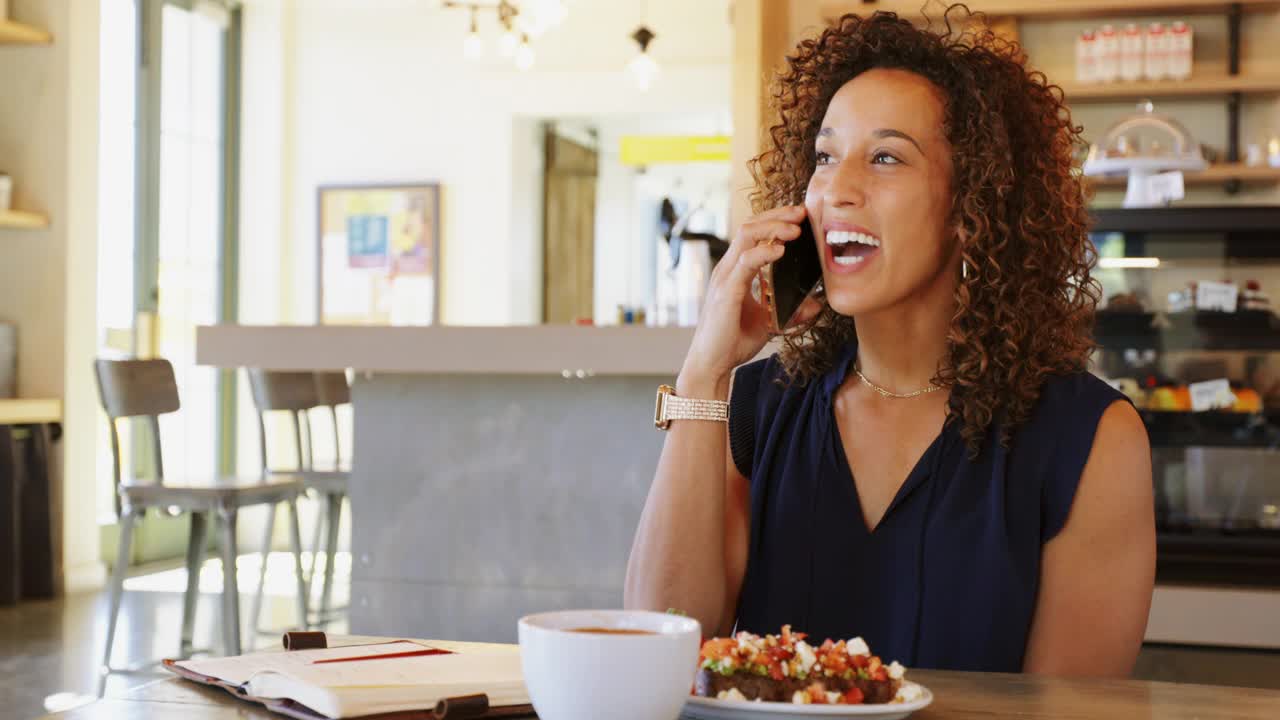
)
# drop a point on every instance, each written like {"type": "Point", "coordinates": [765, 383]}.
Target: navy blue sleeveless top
{"type": "Point", "coordinates": [948, 578]}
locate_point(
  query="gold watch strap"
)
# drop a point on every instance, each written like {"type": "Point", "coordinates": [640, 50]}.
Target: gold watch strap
{"type": "Point", "coordinates": [670, 406]}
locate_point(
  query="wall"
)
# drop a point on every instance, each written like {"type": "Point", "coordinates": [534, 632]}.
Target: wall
{"type": "Point", "coordinates": [379, 92]}
{"type": "Point", "coordinates": [48, 143]}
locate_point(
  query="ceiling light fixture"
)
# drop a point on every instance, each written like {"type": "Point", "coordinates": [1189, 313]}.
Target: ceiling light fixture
{"type": "Point", "coordinates": [472, 45]}
{"type": "Point", "coordinates": [524, 55]}
{"type": "Point", "coordinates": [643, 67]}
{"type": "Point", "coordinates": [518, 21]}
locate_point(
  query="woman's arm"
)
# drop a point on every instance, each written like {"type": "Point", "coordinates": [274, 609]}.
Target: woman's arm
{"type": "Point", "coordinates": [1097, 574]}
{"type": "Point", "coordinates": [690, 549]}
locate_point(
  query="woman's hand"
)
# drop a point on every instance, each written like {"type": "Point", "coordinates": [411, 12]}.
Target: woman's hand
{"type": "Point", "coordinates": [734, 327]}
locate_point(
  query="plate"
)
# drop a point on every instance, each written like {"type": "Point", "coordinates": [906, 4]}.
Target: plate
{"type": "Point", "coordinates": [701, 708]}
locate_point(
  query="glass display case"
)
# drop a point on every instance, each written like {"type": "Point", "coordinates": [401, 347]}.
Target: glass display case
{"type": "Point", "coordinates": [1187, 330]}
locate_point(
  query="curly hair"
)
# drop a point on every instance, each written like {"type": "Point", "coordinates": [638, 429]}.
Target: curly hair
{"type": "Point", "coordinates": [1025, 310]}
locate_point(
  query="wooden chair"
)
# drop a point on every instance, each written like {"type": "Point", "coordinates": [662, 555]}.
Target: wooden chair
{"type": "Point", "coordinates": [297, 393]}
{"type": "Point", "coordinates": [147, 389]}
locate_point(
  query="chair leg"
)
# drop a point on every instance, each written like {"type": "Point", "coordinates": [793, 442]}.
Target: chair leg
{"type": "Point", "coordinates": [195, 559]}
{"type": "Point", "coordinates": [256, 613]}
{"type": "Point", "coordinates": [295, 541]}
{"type": "Point", "coordinates": [316, 539]}
{"type": "Point", "coordinates": [230, 586]}
{"type": "Point", "coordinates": [117, 582]}
{"type": "Point", "coordinates": [334, 501]}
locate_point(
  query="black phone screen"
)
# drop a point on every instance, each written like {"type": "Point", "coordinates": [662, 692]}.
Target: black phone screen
{"type": "Point", "coordinates": [795, 274]}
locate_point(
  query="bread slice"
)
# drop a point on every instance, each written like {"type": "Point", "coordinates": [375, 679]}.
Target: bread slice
{"type": "Point", "coordinates": [758, 687]}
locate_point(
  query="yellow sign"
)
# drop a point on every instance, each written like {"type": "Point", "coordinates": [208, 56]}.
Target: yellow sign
{"type": "Point", "coordinates": [657, 149]}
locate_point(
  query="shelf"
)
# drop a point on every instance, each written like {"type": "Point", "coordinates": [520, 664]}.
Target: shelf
{"type": "Point", "coordinates": [1216, 428]}
{"type": "Point", "coordinates": [30, 411]}
{"type": "Point", "coordinates": [19, 220]}
{"type": "Point", "coordinates": [15, 33]}
{"type": "Point", "coordinates": [1207, 85]}
{"type": "Point", "coordinates": [1218, 173]}
{"type": "Point", "coordinates": [1036, 9]}
{"type": "Point", "coordinates": [1245, 331]}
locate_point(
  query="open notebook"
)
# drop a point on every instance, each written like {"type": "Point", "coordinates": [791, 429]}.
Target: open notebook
{"type": "Point", "coordinates": [351, 689]}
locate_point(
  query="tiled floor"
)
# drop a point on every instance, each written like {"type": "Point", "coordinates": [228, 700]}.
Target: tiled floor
{"type": "Point", "coordinates": [50, 651]}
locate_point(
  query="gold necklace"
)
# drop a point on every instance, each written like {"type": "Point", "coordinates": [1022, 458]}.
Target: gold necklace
{"type": "Point", "coordinates": [889, 393]}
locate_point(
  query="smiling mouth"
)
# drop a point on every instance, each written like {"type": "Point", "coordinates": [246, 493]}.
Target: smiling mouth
{"type": "Point", "coordinates": [851, 248]}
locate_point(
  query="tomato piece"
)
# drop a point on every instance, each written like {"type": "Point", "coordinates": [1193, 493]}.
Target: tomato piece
{"type": "Point", "coordinates": [860, 661]}
{"type": "Point", "coordinates": [718, 648]}
{"type": "Point", "coordinates": [881, 675]}
{"type": "Point", "coordinates": [854, 697]}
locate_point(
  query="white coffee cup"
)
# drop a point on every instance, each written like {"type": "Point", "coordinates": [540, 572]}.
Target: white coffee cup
{"type": "Point", "coordinates": [644, 672]}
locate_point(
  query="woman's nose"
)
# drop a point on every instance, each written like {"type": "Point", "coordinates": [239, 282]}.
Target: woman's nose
{"type": "Point", "coordinates": [846, 186]}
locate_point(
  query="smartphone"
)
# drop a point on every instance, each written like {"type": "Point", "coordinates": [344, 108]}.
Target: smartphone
{"type": "Point", "coordinates": [786, 283]}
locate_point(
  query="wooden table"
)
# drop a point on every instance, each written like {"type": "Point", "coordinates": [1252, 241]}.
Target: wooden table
{"type": "Point", "coordinates": [957, 696]}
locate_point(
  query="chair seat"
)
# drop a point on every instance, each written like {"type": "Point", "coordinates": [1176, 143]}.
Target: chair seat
{"type": "Point", "coordinates": [327, 481]}
{"type": "Point", "coordinates": [237, 491]}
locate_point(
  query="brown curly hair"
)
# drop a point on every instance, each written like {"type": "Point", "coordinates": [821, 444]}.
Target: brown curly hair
{"type": "Point", "coordinates": [1025, 311]}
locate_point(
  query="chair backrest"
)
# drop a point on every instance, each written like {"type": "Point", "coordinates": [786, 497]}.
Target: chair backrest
{"type": "Point", "coordinates": [280, 390]}
{"type": "Point", "coordinates": [332, 388]}
{"type": "Point", "coordinates": [133, 388]}
{"type": "Point", "coordinates": [294, 392]}
{"type": "Point", "coordinates": [136, 388]}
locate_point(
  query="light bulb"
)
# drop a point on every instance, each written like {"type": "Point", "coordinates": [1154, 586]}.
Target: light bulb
{"type": "Point", "coordinates": [507, 43]}
{"type": "Point", "coordinates": [472, 46]}
{"type": "Point", "coordinates": [524, 56]}
{"type": "Point", "coordinates": [643, 69]}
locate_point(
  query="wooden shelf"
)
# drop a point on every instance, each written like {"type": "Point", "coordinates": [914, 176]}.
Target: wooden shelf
{"type": "Point", "coordinates": [1215, 174]}
{"type": "Point", "coordinates": [31, 411]}
{"type": "Point", "coordinates": [1195, 86]}
{"type": "Point", "coordinates": [17, 219]}
{"type": "Point", "coordinates": [1035, 9]}
{"type": "Point", "coordinates": [15, 33]}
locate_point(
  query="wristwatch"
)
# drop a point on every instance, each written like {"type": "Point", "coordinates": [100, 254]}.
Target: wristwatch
{"type": "Point", "coordinates": [670, 406]}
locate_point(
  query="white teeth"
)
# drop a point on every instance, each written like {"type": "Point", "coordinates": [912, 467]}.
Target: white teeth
{"type": "Point", "coordinates": [850, 260]}
{"type": "Point", "coordinates": [840, 237]}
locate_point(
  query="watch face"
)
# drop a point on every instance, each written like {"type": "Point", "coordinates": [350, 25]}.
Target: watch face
{"type": "Point", "coordinates": [660, 420]}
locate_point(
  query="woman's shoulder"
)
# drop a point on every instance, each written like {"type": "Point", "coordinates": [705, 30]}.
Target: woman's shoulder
{"type": "Point", "coordinates": [1075, 395]}
{"type": "Point", "coordinates": [1064, 420]}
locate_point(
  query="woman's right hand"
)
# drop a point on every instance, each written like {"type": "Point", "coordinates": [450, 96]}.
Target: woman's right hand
{"type": "Point", "coordinates": [734, 327]}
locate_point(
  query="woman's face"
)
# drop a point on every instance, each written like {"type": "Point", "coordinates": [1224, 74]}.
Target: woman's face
{"type": "Point", "coordinates": [880, 195]}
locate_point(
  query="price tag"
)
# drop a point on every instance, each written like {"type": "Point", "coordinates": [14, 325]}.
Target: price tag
{"type": "Point", "coordinates": [1166, 187]}
{"type": "Point", "coordinates": [1211, 395]}
{"type": "Point", "coordinates": [1217, 296]}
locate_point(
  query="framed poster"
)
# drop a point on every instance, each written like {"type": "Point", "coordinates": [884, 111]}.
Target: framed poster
{"type": "Point", "coordinates": [378, 254]}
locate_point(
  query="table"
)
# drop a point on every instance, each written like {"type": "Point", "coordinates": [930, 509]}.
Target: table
{"type": "Point", "coordinates": [958, 696]}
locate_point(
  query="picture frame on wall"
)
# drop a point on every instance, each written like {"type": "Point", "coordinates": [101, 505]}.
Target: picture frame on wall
{"type": "Point", "coordinates": [378, 254]}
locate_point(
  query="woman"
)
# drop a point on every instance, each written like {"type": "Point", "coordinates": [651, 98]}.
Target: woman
{"type": "Point", "coordinates": [926, 463]}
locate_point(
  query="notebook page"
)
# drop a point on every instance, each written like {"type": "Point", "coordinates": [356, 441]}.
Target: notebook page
{"type": "Point", "coordinates": [298, 663]}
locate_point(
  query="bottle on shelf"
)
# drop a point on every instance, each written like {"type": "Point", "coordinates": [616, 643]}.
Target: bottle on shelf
{"type": "Point", "coordinates": [1180, 46]}
{"type": "Point", "coordinates": [1157, 52]}
{"type": "Point", "coordinates": [1108, 67]}
{"type": "Point", "coordinates": [1131, 53]}
{"type": "Point", "coordinates": [1086, 58]}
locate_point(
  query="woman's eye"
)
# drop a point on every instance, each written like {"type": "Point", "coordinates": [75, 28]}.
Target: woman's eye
{"type": "Point", "coordinates": [823, 158]}
{"type": "Point", "coordinates": [884, 158]}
